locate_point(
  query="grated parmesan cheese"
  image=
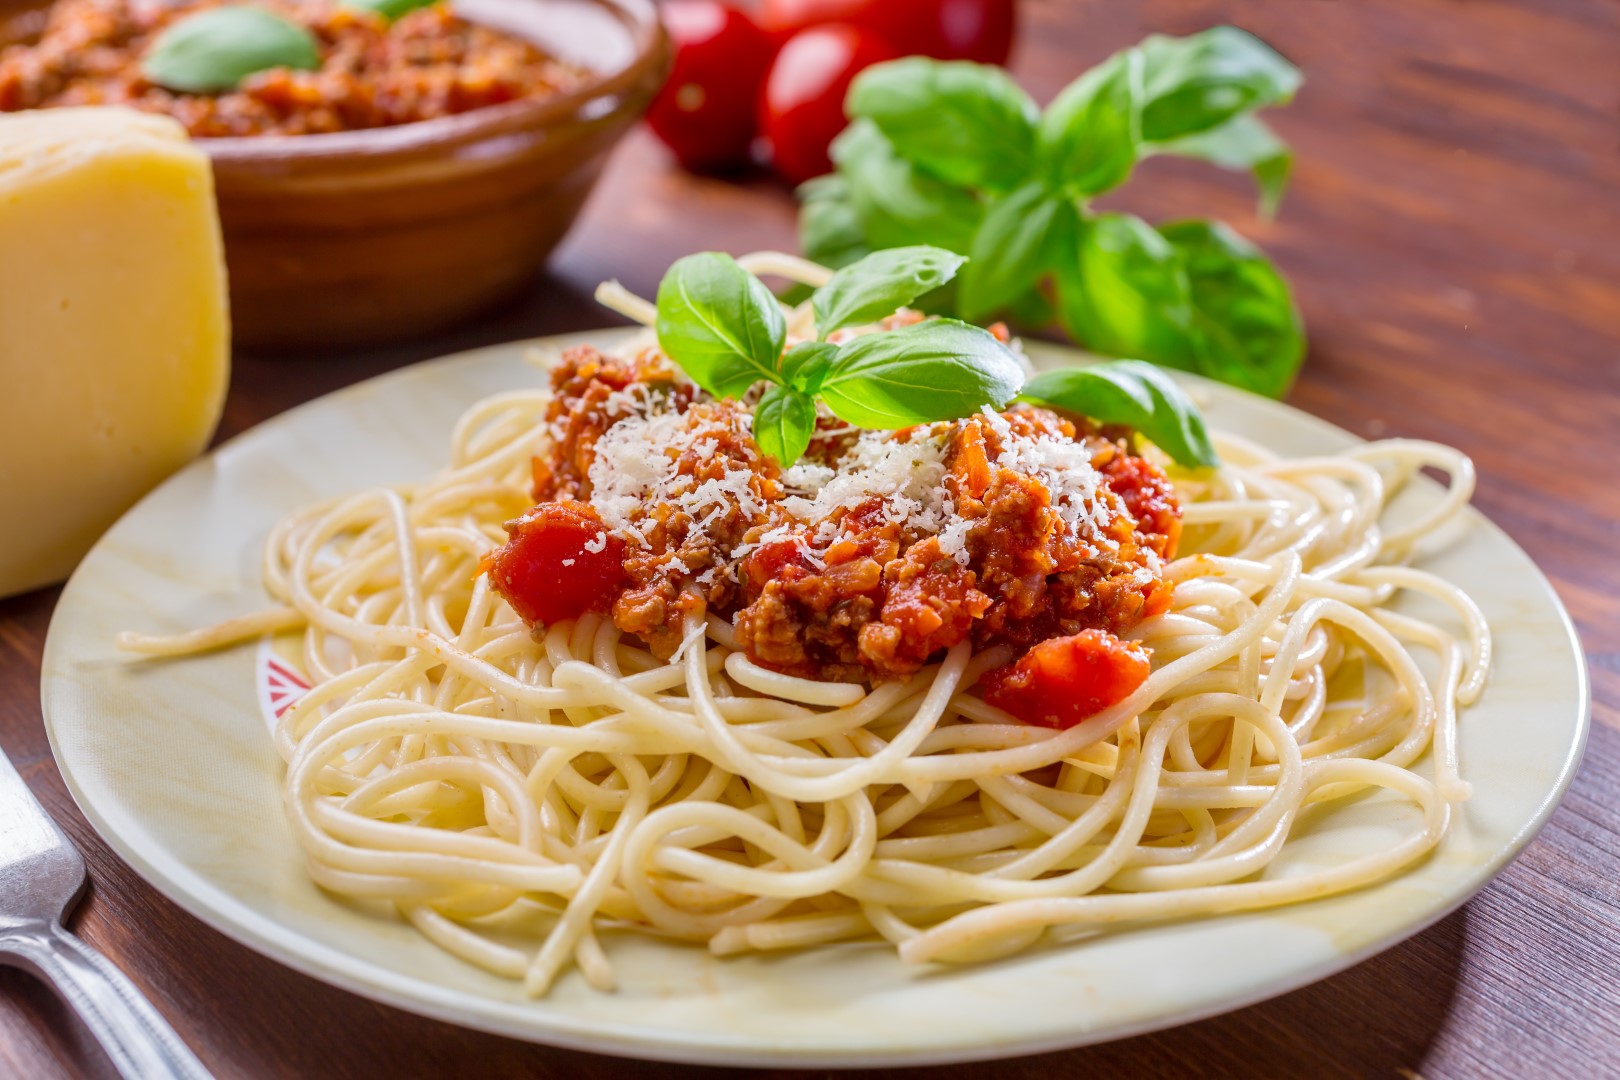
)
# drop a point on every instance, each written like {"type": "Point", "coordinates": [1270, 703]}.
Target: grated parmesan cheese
{"type": "Point", "coordinates": [637, 464]}
{"type": "Point", "coordinates": [1064, 467]}
{"type": "Point", "coordinates": [908, 476]}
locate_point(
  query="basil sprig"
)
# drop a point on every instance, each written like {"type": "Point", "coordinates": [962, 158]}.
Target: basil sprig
{"type": "Point", "coordinates": [1134, 393]}
{"type": "Point", "coordinates": [877, 285]}
{"type": "Point", "coordinates": [388, 9]}
{"type": "Point", "coordinates": [955, 154]}
{"type": "Point", "coordinates": [720, 323]}
{"type": "Point", "coordinates": [723, 326]}
{"type": "Point", "coordinates": [215, 49]}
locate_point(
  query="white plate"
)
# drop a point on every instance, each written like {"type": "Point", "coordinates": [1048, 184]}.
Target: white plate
{"type": "Point", "coordinates": [171, 763]}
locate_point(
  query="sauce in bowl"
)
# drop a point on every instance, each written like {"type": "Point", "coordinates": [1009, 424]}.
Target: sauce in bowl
{"type": "Point", "coordinates": [373, 73]}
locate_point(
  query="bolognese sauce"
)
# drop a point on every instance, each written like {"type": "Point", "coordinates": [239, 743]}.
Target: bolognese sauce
{"type": "Point", "coordinates": [373, 73]}
{"type": "Point", "coordinates": [877, 550]}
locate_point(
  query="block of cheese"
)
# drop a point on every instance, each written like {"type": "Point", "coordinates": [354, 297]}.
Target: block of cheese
{"type": "Point", "coordinates": [114, 334]}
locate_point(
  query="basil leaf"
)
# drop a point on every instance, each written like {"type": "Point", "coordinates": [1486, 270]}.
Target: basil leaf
{"type": "Point", "coordinates": [829, 228]}
{"type": "Point", "coordinates": [896, 202]}
{"type": "Point", "coordinates": [1248, 331]}
{"type": "Point", "coordinates": [388, 9]}
{"type": "Point", "coordinates": [1023, 237]}
{"type": "Point", "coordinates": [784, 420]}
{"type": "Point", "coordinates": [1200, 82]}
{"type": "Point", "coordinates": [1125, 293]}
{"type": "Point", "coordinates": [935, 370]}
{"type": "Point", "coordinates": [805, 366]}
{"type": "Point", "coordinates": [1032, 310]}
{"type": "Point", "coordinates": [1088, 138]}
{"type": "Point", "coordinates": [1242, 143]}
{"type": "Point", "coordinates": [719, 323]}
{"type": "Point", "coordinates": [876, 286]}
{"type": "Point", "coordinates": [965, 123]}
{"type": "Point", "coordinates": [217, 48]}
{"type": "Point", "coordinates": [1134, 393]}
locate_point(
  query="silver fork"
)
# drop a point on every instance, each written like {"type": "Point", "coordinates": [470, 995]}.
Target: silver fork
{"type": "Point", "coordinates": [42, 877]}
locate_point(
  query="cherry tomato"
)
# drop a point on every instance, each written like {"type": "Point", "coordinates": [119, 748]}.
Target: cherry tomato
{"type": "Point", "coordinates": [558, 563]}
{"type": "Point", "coordinates": [979, 30]}
{"type": "Point", "coordinates": [705, 113]}
{"type": "Point", "coordinates": [1062, 681]}
{"type": "Point", "coordinates": [801, 109]}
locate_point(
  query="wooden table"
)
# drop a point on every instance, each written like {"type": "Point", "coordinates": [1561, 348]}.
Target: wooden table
{"type": "Point", "coordinates": [1454, 237]}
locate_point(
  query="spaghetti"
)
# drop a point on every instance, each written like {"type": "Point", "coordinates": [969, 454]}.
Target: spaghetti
{"type": "Point", "coordinates": [517, 794]}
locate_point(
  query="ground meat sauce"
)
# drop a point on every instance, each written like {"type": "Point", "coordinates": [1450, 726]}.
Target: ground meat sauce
{"type": "Point", "coordinates": [373, 73]}
{"type": "Point", "coordinates": [862, 592]}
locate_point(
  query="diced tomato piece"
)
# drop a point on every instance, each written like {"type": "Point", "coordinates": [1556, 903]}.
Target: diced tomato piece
{"type": "Point", "coordinates": [1062, 681]}
{"type": "Point", "coordinates": [972, 465]}
{"type": "Point", "coordinates": [777, 560]}
{"type": "Point", "coordinates": [1150, 498]}
{"type": "Point", "coordinates": [1160, 595]}
{"type": "Point", "coordinates": [558, 563]}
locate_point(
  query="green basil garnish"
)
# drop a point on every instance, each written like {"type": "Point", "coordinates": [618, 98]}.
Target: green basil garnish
{"type": "Point", "coordinates": [830, 228]}
{"type": "Point", "coordinates": [784, 420]}
{"type": "Point", "coordinates": [726, 330]}
{"type": "Point", "coordinates": [806, 364]}
{"type": "Point", "coordinates": [1200, 82]}
{"type": "Point", "coordinates": [1192, 295]}
{"type": "Point", "coordinates": [1091, 134]}
{"type": "Point", "coordinates": [216, 49]}
{"type": "Point", "coordinates": [1247, 331]}
{"type": "Point", "coordinates": [1022, 236]}
{"type": "Point", "coordinates": [880, 283]}
{"type": "Point", "coordinates": [1125, 292]}
{"type": "Point", "coordinates": [720, 323]}
{"type": "Point", "coordinates": [955, 155]}
{"type": "Point", "coordinates": [1244, 144]}
{"type": "Point", "coordinates": [1134, 393]}
{"type": "Point", "coordinates": [935, 370]}
{"type": "Point", "coordinates": [965, 123]}
{"type": "Point", "coordinates": [389, 9]}
{"type": "Point", "coordinates": [899, 203]}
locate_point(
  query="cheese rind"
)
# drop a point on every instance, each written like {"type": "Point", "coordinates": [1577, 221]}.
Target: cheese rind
{"type": "Point", "coordinates": [114, 333]}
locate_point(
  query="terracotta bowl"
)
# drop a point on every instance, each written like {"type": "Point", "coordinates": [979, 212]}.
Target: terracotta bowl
{"type": "Point", "coordinates": [368, 236]}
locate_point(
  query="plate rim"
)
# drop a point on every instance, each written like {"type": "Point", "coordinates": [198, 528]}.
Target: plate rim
{"type": "Point", "coordinates": [204, 901]}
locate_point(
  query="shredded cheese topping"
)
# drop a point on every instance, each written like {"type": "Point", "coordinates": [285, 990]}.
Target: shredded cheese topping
{"type": "Point", "coordinates": [1064, 466]}
{"type": "Point", "coordinates": [637, 464]}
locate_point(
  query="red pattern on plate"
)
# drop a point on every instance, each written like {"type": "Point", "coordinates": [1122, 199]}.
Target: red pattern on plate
{"type": "Point", "coordinates": [283, 685]}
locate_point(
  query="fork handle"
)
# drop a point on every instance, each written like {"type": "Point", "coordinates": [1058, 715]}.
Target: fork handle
{"type": "Point", "coordinates": [139, 1041]}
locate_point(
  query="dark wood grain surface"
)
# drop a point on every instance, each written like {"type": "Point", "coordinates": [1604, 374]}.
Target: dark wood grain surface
{"type": "Point", "coordinates": [1454, 237]}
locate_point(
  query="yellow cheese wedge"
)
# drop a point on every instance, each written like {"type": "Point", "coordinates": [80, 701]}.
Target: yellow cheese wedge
{"type": "Point", "coordinates": [114, 337]}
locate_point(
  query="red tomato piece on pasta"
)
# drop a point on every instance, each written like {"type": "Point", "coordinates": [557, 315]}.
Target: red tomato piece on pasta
{"type": "Point", "coordinates": [558, 563]}
{"type": "Point", "coordinates": [778, 560]}
{"type": "Point", "coordinates": [1062, 681]}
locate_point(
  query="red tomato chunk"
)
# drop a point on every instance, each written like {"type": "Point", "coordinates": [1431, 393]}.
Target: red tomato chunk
{"type": "Point", "coordinates": [1062, 681]}
{"type": "Point", "coordinates": [558, 563]}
